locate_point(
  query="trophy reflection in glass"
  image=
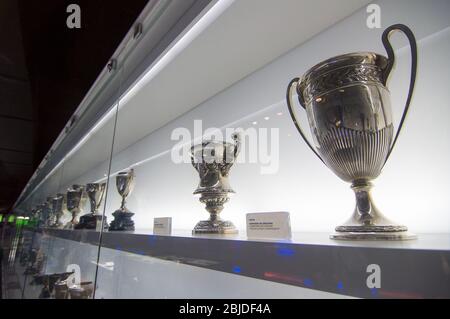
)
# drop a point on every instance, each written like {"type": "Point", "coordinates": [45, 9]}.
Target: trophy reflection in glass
{"type": "Point", "coordinates": [75, 201]}
{"type": "Point", "coordinates": [81, 291]}
{"type": "Point", "coordinates": [213, 160]}
{"type": "Point", "coordinates": [122, 217]}
{"type": "Point", "coordinates": [94, 220]}
{"type": "Point", "coordinates": [349, 112]}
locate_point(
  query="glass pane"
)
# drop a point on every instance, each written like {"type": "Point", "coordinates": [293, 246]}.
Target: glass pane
{"type": "Point", "coordinates": [54, 252]}
{"type": "Point", "coordinates": [29, 248]}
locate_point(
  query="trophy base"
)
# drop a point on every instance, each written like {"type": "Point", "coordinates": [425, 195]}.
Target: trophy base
{"type": "Point", "coordinates": [367, 222]}
{"type": "Point", "coordinates": [92, 221]}
{"type": "Point", "coordinates": [122, 221]}
{"type": "Point", "coordinates": [214, 227]}
{"type": "Point", "coordinates": [373, 236]}
{"type": "Point", "coordinates": [388, 231]}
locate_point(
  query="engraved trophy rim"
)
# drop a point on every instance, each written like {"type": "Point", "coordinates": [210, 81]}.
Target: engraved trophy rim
{"type": "Point", "coordinates": [344, 60]}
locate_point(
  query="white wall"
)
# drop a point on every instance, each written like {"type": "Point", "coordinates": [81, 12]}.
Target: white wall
{"type": "Point", "coordinates": [413, 187]}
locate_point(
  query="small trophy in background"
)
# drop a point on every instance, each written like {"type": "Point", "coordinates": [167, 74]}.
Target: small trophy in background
{"type": "Point", "coordinates": [49, 215]}
{"type": "Point", "coordinates": [40, 216]}
{"type": "Point", "coordinates": [122, 217]}
{"type": "Point", "coordinates": [57, 207]}
{"type": "Point", "coordinates": [94, 220]}
{"type": "Point", "coordinates": [75, 202]}
{"type": "Point", "coordinates": [213, 160]}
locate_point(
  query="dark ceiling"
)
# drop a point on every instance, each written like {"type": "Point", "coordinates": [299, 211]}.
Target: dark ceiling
{"type": "Point", "coordinates": [45, 71]}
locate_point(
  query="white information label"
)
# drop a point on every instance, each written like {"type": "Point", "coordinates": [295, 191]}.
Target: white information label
{"type": "Point", "coordinates": [162, 226]}
{"type": "Point", "coordinates": [273, 225]}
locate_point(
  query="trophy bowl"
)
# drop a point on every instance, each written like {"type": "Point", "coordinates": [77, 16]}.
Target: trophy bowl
{"type": "Point", "coordinates": [213, 160]}
{"type": "Point", "coordinates": [122, 217]}
{"type": "Point", "coordinates": [349, 113]}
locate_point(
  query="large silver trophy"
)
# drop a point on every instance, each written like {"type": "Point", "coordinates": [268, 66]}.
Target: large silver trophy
{"type": "Point", "coordinates": [122, 217]}
{"type": "Point", "coordinates": [74, 202]}
{"type": "Point", "coordinates": [213, 160]}
{"type": "Point", "coordinates": [94, 220]}
{"type": "Point", "coordinates": [348, 108]}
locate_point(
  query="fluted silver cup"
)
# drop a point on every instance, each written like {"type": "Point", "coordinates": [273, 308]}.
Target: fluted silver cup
{"type": "Point", "coordinates": [349, 113]}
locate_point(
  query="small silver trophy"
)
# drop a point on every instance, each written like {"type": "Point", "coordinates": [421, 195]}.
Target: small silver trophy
{"type": "Point", "coordinates": [94, 220]}
{"type": "Point", "coordinates": [34, 216]}
{"type": "Point", "coordinates": [75, 201]}
{"type": "Point", "coordinates": [48, 207]}
{"type": "Point", "coordinates": [57, 206]}
{"type": "Point", "coordinates": [40, 214]}
{"type": "Point", "coordinates": [213, 160]}
{"type": "Point", "coordinates": [122, 217]}
{"type": "Point", "coordinates": [349, 112]}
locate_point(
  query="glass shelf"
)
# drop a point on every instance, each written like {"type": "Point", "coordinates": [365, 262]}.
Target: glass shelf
{"type": "Point", "coordinates": [309, 261]}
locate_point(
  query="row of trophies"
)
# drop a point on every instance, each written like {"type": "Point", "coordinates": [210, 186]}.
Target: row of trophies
{"type": "Point", "coordinates": [211, 159]}
{"type": "Point", "coordinates": [51, 212]}
{"type": "Point", "coordinates": [347, 103]}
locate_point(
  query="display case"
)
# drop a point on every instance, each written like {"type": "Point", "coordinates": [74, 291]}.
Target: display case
{"type": "Point", "coordinates": [146, 192]}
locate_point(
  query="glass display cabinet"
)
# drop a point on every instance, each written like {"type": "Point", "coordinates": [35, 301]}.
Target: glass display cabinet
{"type": "Point", "coordinates": [145, 194]}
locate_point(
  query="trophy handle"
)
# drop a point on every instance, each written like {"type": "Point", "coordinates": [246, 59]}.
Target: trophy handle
{"type": "Point", "coordinates": [292, 113]}
{"type": "Point", "coordinates": [391, 62]}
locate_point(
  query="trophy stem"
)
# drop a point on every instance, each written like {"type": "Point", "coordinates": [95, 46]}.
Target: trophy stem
{"type": "Point", "coordinates": [367, 222]}
{"type": "Point", "coordinates": [365, 211]}
{"type": "Point", "coordinates": [74, 220]}
{"type": "Point", "coordinates": [122, 205]}
{"type": "Point", "coordinates": [214, 207]}
{"type": "Point", "coordinates": [58, 223]}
